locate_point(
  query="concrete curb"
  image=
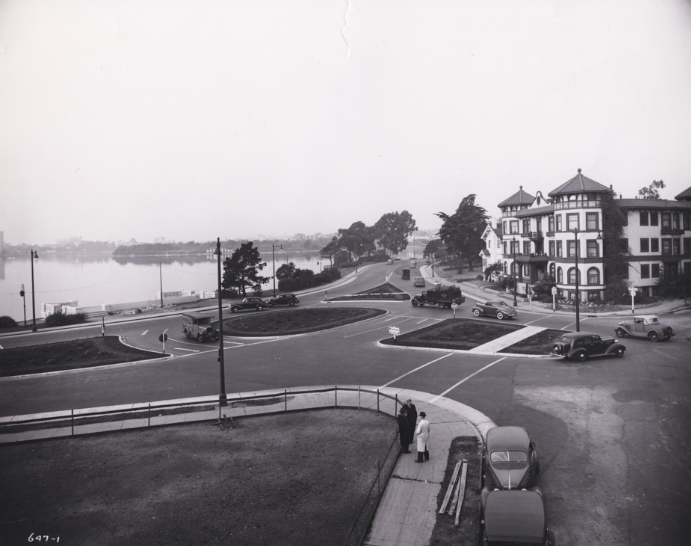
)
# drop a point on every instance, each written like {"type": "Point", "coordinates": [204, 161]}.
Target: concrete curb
{"type": "Point", "coordinates": [462, 351]}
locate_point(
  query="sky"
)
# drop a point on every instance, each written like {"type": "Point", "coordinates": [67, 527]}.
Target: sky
{"type": "Point", "coordinates": [192, 120]}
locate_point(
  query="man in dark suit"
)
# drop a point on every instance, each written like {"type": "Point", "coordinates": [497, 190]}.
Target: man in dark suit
{"type": "Point", "coordinates": [411, 412]}
{"type": "Point", "coordinates": [406, 433]}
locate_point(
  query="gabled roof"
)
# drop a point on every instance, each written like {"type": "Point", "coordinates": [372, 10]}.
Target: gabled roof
{"type": "Point", "coordinates": [579, 184]}
{"type": "Point", "coordinates": [537, 211]}
{"type": "Point", "coordinates": [685, 195]}
{"type": "Point", "coordinates": [519, 198]}
{"type": "Point", "coordinates": [652, 204]}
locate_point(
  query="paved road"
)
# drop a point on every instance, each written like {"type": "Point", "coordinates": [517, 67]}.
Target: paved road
{"type": "Point", "coordinates": [613, 434]}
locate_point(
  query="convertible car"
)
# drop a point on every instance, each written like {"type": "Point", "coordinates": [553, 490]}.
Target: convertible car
{"type": "Point", "coordinates": [645, 326]}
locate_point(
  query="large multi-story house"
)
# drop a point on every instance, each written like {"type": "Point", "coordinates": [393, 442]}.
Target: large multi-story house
{"type": "Point", "coordinates": [541, 236]}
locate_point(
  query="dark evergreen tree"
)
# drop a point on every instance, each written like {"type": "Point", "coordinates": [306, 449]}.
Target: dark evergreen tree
{"type": "Point", "coordinates": [461, 232]}
{"type": "Point", "coordinates": [241, 270]}
{"type": "Point", "coordinates": [392, 230]}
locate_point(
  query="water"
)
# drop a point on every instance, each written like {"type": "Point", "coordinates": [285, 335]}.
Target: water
{"type": "Point", "coordinates": [95, 280]}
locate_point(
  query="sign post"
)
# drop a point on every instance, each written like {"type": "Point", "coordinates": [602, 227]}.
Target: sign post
{"type": "Point", "coordinates": [454, 306]}
{"type": "Point", "coordinates": [395, 330]}
{"type": "Point", "coordinates": [162, 338]}
{"type": "Point", "coordinates": [103, 327]}
{"type": "Point", "coordinates": [554, 299]}
{"type": "Point", "coordinates": [633, 291]}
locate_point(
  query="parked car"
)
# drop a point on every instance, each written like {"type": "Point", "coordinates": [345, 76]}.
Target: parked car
{"type": "Point", "coordinates": [249, 303]}
{"type": "Point", "coordinates": [583, 345]}
{"type": "Point", "coordinates": [495, 308]}
{"type": "Point", "coordinates": [390, 262]}
{"type": "Point", "coordinates": [197, 325]}
{"type": "Point", "coordinates": [419, 281]}
{"type": "Point", "coordinates": [405, 274]}
{"type": "Point", "coordinates": [511, 459]}
{"type": "Point", "coordinates": [645, 326]}
{"type": "Point", "coordinates": [515, 517]}
{"type": "Point", "coordinates": [284, 299]}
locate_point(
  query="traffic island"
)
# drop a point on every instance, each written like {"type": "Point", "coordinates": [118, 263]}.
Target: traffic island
{"type": "Point", "coordinates": [383, 292]}
{"type": "Point", "coordinates": [454, 334]}
{"type": "Point", "coordinates": [295, 321]}
{"type": "Point", "coordinates": [538, 344]}
{"type": "Point", "coordinates": [69, 355]}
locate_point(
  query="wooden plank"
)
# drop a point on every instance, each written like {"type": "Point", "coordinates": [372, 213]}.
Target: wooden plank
{"type": "Point", "coordinates": [454, 497]}
{"type": "Point", "coordinates": [448, 491]}
{"type": "Point", "coordinates": [461, 492]}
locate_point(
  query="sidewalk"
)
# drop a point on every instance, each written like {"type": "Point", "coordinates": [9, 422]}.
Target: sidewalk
{"type": "Point", "coordinates": [480, 294]}
{"type": "Point", "coordinates": [408, 509]}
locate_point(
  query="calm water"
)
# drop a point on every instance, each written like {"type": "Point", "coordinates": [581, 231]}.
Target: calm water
{"type": "Point", "coordinates": [94, 280]}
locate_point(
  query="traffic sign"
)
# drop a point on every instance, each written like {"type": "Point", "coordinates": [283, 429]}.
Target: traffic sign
{"type": "Point", "coordinates": [394, 330]}
{"type": "Point", "coordinates": [554, 290]}
{"type": "Point", "coordinates": [633, 290]}
{"type": "Point", "coordinates": [163, 337]}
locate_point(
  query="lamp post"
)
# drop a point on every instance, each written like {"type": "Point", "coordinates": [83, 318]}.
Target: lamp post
{"type": "Point", "coordinates": [222, 398]}
{"type": "Point", "coordinates": [34, 254]}
{"type": "Point", "coordinates": [515, 288]}
{"type": "Point", "coordinates": [273, 257]}
{"type": "Point", "coordinates": [23, 295]}
{"type": "Point", "coordinates": [578, 302]}
{"type": "Point", "coordinates": [160, 276]}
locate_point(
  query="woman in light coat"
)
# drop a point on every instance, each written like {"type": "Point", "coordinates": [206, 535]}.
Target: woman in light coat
{"type": "Point", "coordinates": [422, 432]}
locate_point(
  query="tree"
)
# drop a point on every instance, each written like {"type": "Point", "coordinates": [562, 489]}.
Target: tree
{"type": "Point", "coordinates": [650, 192]}
{"type": "Point", "coordinates": [461, 232]}
{"type": "Point", "coordinates": [493, 271]}
{"type": "Point", "coordinates": [392, 230]}
{"type": "Point", "coordinates": [330, 250]}
{"type": "Point", "coordinates": [614, 252]}
{"type": "Point", "coordinates": [241, 270]}
{"type": "Point", "coordinates": [285, 271]}
{"type": "Point", "coordinates": [432, 248]}
{"type": "Point", "coordinates": [358, 239]}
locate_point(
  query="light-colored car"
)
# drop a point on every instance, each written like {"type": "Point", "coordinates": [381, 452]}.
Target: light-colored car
{"type": "Point", "coordinates": [645, 326]}
{"type": "Point", "coordinates": [419, 281]}
{"type": "Point", "coordinates": [494, 308]}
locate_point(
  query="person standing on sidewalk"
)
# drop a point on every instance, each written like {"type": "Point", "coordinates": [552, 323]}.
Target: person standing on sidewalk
{"type": "Point", "coordinates": [404, 430]}
{"type": "Point", "coordinates": [422, 438]}
{"type": "Point", "coordinates": [411, 410]}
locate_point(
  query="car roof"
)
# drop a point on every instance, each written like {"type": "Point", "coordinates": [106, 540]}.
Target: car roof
{"type": "Point", "coordinates": [498, 302]}
{"type": "Point", "coordinates": [514, 516]}
{"type": "Point", "coordinates": [648, 317]}
{"type": "Point", "coordinates": [573, 335]}
{"type": "Point", "coordinates": [200, 314]}
{"type": "Point", "coordinates": [507, 438]}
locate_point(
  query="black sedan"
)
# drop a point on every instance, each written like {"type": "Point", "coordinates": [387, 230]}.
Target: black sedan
{"type": "Point", "coordinates": [284, 299]}
{"type": "Point", "coordinates": [249, 303]}
{"type": "Point", "coordinates": [583, 345]}
{"type": "Point", "coordinates": [494, 308]}
{"type": "Point", "coordinates": [511, 459]}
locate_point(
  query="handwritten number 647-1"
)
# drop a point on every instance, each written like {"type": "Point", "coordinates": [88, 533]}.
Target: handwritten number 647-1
{"type": "Point", "coordinates": [42, 538]}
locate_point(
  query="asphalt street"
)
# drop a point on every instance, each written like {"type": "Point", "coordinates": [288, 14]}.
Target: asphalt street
{"type": "Point", "coordinates": [612, 434]}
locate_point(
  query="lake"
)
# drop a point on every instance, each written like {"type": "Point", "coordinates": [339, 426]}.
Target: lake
{"type": "Point", "coordinates": [99, 279]}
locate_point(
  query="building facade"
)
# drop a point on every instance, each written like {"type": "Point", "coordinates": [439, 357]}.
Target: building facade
{"type": "Point", "coordinates": [546, 236]}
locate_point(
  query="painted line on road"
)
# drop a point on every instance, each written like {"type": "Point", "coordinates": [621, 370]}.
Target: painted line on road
{"type": "Point", "coordinates": [654, 350]}
{"type": "Point", "coordinates": [565, 327]}
{"type": "Point", "coordinates": [374, 329]}
{"type": "Point", "coordinates": [464, 380]}
{"type": "Point", "coordinates": [547, 316]}
{"type": "Point", "coordinates": [190, 350]}
{"type": "Point", "coordinates": [422, 321]}
{"type": "Point", "coordinates": [0, 347]}
{"type": "Point", "coordinates": [145, 332]}
{"type": "Point", "coordinates": [416, 369]}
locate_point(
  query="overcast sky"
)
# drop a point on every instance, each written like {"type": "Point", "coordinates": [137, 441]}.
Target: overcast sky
{"type": "Point", "coordinates": [203, 118]}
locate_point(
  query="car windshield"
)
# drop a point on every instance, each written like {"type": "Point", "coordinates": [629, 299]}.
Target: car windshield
{"type": "Point", "coordinates": [508, 457]}
{"type": "Point", "coordinates": [503, 304]}
{"type": "Point", "coordinates": [566, 339]}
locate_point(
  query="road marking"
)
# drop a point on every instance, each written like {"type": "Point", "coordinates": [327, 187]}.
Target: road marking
{"type": "Point", "coordinates": [464, 380]}
{"type": "Point", "coordinates": [537, 320]}
{"type": "Point", "coordinates": [390, 318]}
{"type": "Point", "coordinates": [190, 350]}
{"type": "Point", "coordinates": [144, 332]}
{"type": "Point", "coordinates": [416, 369]}
{"type": "Point", "coordinates": [425, 320]}
{"type": "Point", "coordinates": [373, 329]}
{"type": "Point", "coordinates": [565, 327]}
{"type": "Point", "coordinates": [654, 350]}
{"type": "Point", "coordinates": [0, 347]}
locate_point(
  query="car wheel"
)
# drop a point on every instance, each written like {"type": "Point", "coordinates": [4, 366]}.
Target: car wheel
{"type": "Point", "coordinates": [620, 332]}
{"type": "Point", "coordinates": [556, 349]}
{"type": "Point", "coordinates": [582, 356]}
{"type": "Point", "coordinates": [199, 338]}
{"type": "Point", "coordinates": [271, 304]}
{"type": "Point", "coordinates": [291, 304]}
{"type": "Point", "coordinates": [415, 303]}
{"type": "Point", "coordinates": [654, 336]}
{"type": "Point", "coordinates": [619, 353]}
{"type": "Point", "coordinates": [476, 312]}
{"type": "Point", "coordinates": [500, 315]}
{"type": "Point", "coordinates": [233, 309]}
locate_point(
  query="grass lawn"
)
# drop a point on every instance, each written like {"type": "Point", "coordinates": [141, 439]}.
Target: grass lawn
{"type": "Point", "coordinates": [293, 479]}
{"type": "Point", "coordinates": [539, 344]}
{"type": "Point", "coordinates": [457, 333]}
{"type": "Point", "coordinates": [295, 321]}
{"type": "Point", "coordinates": [66, 355]}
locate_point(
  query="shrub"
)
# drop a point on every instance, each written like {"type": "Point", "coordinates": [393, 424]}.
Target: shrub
{"type": "Point", "coordinates": [7, 322]}
{"type": "Point", "coordinates": [542, 290]}
{"type": "Point", "coordinates": [58, 319]}
{"type": "Point", "coordinates": [287, 285]}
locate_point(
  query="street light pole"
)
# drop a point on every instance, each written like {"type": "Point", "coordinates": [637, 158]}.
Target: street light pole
{"type": "Point", "coordinates": [23, 295]}
{"type": "Point", "coordinates": [34, 254]}
{"type": "Point", "coordinates": [273, 259]}
{"type": "Point", "coordinates": [515, 287]}
{"type": "Point", "coordinates": [222, 399]}
{"type": "Point", "coordinates": [160, 274]}
{"type": "Point", "coordinates": [578, 301]}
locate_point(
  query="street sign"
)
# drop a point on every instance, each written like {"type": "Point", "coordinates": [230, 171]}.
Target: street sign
{"type": "Point", "coordinates": [394, 330]}
{"type": "Point", "coordinates": [163, 337]}
{"type": "Point", "coordinates": [633, 290]}
{"type": "Point", "coordinates": [554, 290]}
{"type": "Point", "coordinates": [454, 306]}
